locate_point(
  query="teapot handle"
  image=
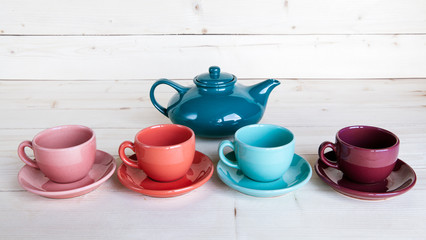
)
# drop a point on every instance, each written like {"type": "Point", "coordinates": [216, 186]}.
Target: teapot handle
{"type": "Point", "coordinates": [179, 88]}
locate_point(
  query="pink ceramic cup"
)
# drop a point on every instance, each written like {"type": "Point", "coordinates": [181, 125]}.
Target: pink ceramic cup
{"type": "Point", "coordinates": [164, 152]}
{"type": "Point", "coordinates": [64, 154]}
{"type": "Point", "coordinates": [364, 154]}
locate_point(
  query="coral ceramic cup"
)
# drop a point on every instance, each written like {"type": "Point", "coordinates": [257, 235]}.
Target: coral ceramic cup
{"type": "Point", "coordinates": [263, 152]}
{"type": "Point", "coordinates": [164, 152]}
{"type": "Point", "coordinates": [64, 154]}
{"type": "Point", "coordinates": [364, 154]}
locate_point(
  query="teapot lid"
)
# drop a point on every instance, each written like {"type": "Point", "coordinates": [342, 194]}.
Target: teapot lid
{"type": "Point", "coordinates": [214, 78]}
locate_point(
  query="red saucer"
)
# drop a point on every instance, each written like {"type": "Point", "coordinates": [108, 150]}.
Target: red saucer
{"type": "Point", "coordinates": [135, 179]}
{"type": "Point", "coordinates": [402, 179]}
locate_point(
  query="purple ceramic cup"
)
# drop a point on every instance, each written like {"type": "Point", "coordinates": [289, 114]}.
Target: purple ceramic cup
{"type": "Point", "coordinates": [365, 154]}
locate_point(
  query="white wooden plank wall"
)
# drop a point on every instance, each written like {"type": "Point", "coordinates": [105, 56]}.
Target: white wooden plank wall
{"type": "Point", "coordinates": [143, 17]}
{"type": "Point", "coordinates": [143, 40]}
{"type": "Point", "coordinates": [183, 57]}
{"type": "Point", "coordinates": [93, 62]}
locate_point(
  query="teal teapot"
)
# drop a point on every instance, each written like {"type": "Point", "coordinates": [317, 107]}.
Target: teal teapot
{"type": "Point", "coordinates": [217, 105]}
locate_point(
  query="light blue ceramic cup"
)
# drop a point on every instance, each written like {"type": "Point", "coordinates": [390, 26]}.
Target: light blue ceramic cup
{"type": "Point", "coordinates": [263, 152]}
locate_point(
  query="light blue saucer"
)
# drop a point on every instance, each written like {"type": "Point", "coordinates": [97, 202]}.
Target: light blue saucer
{"type": "Point", "coordinates": [295, 177]}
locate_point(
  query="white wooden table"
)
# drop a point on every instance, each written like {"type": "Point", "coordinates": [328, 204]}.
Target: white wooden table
{"type": "Point", "coordinates": [92, 63]}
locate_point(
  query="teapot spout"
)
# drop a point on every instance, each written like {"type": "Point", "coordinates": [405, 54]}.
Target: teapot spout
{"type": "Point", "coordinates": [260, 92]}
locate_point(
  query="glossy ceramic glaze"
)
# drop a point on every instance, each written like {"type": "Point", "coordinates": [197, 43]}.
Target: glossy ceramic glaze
{"type": "Point", "coordinates": [33, 180]}
{"type": "Point", "coordinates": [365, 154]}
{"type": "Point", "coordinates": [199, 173]}
{"type": "Point", "coordinates": [216, 106]}
{"type": "Point", "coordinates": [164, 152]}
{"type": "Point", "coordinates": [401, 179]}
{"type": "Point", "coordinates": [295, 177]}
{"type": "Point", "coordinates": [64, 153]}
{"type": "Point", "coordinates": [263, 152]}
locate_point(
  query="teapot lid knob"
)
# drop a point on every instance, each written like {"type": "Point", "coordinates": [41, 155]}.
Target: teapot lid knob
{"type": "Point", "coordinates": [215, 78]}
{"type": "Point", "coordinates": [214, 72]}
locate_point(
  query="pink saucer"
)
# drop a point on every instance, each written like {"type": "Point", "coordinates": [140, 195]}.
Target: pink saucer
{"type": "Point", "coordinates": [402, 179]}
{"type": "Point", "coordinates": [33, 180]}
{"type": "Point", "coordinates": [135, 179]}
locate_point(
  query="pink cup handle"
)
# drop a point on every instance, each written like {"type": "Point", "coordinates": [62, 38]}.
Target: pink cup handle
{"type": "Point", "coordinates": [23, 156]}
{"type": "Point", "coordinates": [324, 159]}
{"type": "Point", "coordinates": [124, 158]}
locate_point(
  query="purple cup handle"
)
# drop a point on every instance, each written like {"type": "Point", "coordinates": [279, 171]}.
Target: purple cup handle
{"type": "Point", "coordinates": [322, 156]}
{"type": "Point", "coordinates": [23, 156]}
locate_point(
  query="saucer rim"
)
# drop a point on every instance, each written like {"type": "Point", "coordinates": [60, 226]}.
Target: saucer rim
{"type": "Point", "coordinates": [265, 193]}
{"type": "Point", "coordinates": [360, 195]}
{"type": "Point", "coordinates": [166, 193]}
{"type": "Point", "coordinates": [76, 192]}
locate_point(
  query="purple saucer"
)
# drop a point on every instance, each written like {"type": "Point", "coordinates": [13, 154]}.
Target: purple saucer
{"type": "Point", "coordinates": [402, 179]}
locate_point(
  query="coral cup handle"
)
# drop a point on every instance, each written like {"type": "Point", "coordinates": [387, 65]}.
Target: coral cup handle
{"type": "Point", "coordinates": [23, 156]}
{"type": "Point", "coordinates": [323, 158]}
{"type": "Point", "coordinates": [223, 144]}
{"type": "Point", "coordinates": [179, 88]}
{"type": "Point", "coordinates": [123, 156]}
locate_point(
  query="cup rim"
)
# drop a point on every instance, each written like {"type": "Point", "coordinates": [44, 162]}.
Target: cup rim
{"type": "Point", "coordinates": [166, 146]}
{"type": "Point", "coordinates": [396, 144]}
{"type": "Point", "coordinates": [264, 125]}
{"type": "Point", "coordinates": [45, 131]}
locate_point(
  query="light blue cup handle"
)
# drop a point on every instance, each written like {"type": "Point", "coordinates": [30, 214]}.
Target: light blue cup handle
{"type": "Point", "coordinates": [223, 144]}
